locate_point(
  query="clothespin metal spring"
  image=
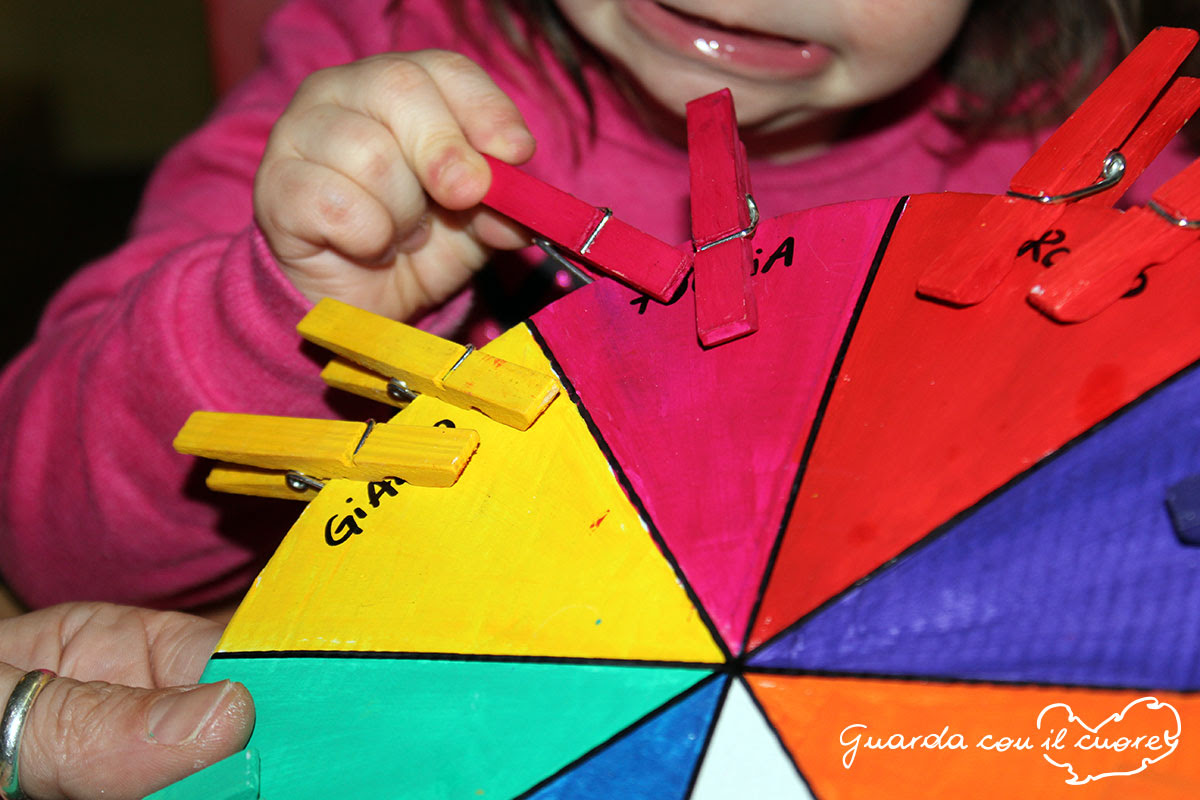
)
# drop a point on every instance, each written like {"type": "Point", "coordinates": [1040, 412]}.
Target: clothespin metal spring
{"type": "Point", "coordinates": [1179, 222]}
{"type": "Point", "coordinates": [1111, 173]}
{"type": "Point", "coordinates": [591, 239]}
{"type": "Point", "coordinates": [744, 233]}
{"type": "Point", "coordinates": [300, 483]}
{"type": "Point", "coordinates": [554, 253]}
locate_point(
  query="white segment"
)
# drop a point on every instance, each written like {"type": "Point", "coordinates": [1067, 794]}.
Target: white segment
{"type": "Point", "coordinates": [744, 758]}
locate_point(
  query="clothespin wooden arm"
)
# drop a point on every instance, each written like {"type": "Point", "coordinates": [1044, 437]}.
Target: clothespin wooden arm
{"type": "Point", "coordinates": [589, 233]}
{"type": "Point", "coordinates": [323, 449]}
{"type": "Point", "coordinates": [256, 482]}
{"type": "Point", "coordinates": [723, 220]}
{"type": "Point", "coordinates": [1068, 167]}
{"type": "Point", "coordinates": [426, 364]}
{"type": "Point", "coordinates": [1108, 266]}
{"type": "Point", "coordinates": [1161, 124]}
{"type": "Point", "coordinates": [1070, 158]}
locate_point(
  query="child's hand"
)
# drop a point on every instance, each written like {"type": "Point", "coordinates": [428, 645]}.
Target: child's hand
{"type": "Point", "coordinates": [344, 191]}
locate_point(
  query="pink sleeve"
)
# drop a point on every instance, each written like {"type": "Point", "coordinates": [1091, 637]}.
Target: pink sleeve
{"type": "Point", "coordinates": [191, 313]}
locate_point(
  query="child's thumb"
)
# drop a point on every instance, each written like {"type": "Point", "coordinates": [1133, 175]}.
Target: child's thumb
{"type": "Point", "coordinates": [84, 740]}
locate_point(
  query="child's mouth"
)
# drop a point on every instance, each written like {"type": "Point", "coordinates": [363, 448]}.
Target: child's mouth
{"type": "Point", "coordinates": [742, 49]}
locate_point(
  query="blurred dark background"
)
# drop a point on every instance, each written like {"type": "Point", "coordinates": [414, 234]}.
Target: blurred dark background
{"type": "Point", "coordinates": [91, 94]}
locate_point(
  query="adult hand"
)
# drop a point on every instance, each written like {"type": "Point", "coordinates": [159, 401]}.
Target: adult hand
{"type": "Point", "coordinates": [370, 185]}
{"type": "Point", "coordinates": [121, 721]}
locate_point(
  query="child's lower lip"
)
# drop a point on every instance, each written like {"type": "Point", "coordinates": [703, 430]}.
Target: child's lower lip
{"type": "Point", "coordinates": [743, 51]}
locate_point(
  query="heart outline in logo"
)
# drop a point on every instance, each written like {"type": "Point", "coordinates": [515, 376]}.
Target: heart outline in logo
{"type": "Point", "coordinates": [1152, 703]}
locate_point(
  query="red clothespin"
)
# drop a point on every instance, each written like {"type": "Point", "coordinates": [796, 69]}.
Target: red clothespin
{"type": "Point", "coordinates": [723, 220]}
{"type": "Point", "coordinates": [591, 234]}
{"type": "Point", "coordinates": [1107, 267]}
{"type": "Point", "coordinates": [1108, 141]}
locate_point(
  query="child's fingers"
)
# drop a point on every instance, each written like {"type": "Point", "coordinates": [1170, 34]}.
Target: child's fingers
{"type": "Point", "coordinates": [490, 120]}
{"type": "Point", "coordinates": [442, 108]}
{"type": "Point", "coordinates": [403, 96]}
{"type": "Point", "coordinates": [364, 151]}
{"type": "Point", "coordinates": [305, 207]}
{"type": "Point", "coordinates": [498, 231]}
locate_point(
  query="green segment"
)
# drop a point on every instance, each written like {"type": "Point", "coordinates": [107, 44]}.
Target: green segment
{"type": "Point", "coordinates": [435, 729]}
{"type": "Point", "coordinates": [235, 778]}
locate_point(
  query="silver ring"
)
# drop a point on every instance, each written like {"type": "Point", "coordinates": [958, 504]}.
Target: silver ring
{"type": "Point", "coordinates": [12, 725]}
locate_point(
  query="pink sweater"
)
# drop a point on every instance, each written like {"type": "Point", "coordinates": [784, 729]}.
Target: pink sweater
{"type": "Point", "coordinates": [193, 313]}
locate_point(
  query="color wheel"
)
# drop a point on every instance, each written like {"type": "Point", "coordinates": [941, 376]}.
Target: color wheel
{"type": "Point", "coordinates": [704, 572]}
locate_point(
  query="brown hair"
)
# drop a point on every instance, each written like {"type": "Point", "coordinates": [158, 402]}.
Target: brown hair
{"type": "Point", "coordinates": [1025, 63]}
{"type": "Point", "coordinates": [1017, 64]}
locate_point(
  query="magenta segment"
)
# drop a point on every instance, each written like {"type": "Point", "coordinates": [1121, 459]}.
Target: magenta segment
{"type": "Point", "coordinates": [710, 440]}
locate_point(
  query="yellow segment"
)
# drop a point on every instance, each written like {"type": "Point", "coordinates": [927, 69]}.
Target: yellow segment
{"type": "Point", "coordinates": [347, 376]}
{"type": "Point", "coordinates": [388, 347]}
{"type": "Point", "coordinates": [536, 551]}
{"type": "Point", "coordinates": [252, 481]}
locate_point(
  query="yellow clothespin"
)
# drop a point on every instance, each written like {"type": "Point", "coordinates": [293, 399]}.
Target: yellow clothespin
{"type": "Point", "coordinates": [347, 376]}
{"type": "Point", "coordinates": [295, 454]}
{"type": "Point", "coordinates": [417, 362]}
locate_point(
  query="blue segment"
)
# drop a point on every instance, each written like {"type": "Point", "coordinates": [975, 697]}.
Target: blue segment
{"type": "Point", "coordinates": [1074, 574]}
{"type": "Point", "coordinates": [656, 759]}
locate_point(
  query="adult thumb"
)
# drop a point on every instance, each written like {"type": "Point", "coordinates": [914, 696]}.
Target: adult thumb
{"type": "Point", "coordinates": [100, 740]}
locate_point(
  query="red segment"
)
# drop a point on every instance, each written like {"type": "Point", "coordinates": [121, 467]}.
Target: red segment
{"type": "Point", "coordinates": [934, 407]}
{"type": "Point", "coordinates": [710, 439]}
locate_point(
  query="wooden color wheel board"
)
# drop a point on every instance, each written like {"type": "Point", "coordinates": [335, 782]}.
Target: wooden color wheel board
{"type": "Point", "coordinates": [881, 547]}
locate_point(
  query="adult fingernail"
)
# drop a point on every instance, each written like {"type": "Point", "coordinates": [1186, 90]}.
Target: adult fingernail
{"type": "Point", "coordinates": [179, 717]}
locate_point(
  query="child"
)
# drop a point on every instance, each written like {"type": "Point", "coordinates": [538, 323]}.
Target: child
{"type": "Point", "coordinates": [367, 189]}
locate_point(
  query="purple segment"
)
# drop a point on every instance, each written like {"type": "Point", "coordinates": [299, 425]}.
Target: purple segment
{"type": "Point", "coordinates": [1072, 575]}
{"type": "Point", "coordinates": [1183, 501]}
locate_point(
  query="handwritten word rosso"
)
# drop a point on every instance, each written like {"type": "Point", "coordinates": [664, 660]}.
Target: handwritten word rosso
{"type": "Point", "coordinates": [1045, 250]}
{"type": "Point", "coordinates": [1047, 240]}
